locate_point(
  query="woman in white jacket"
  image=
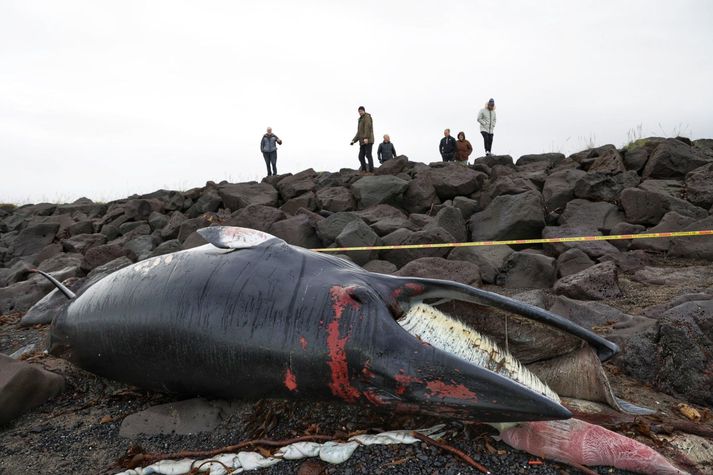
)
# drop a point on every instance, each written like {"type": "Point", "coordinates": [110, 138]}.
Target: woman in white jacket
{"type": "Point", "coordinates": [486, 119]}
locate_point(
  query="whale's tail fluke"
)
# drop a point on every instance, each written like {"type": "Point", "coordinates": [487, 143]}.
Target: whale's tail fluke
{"type": "Point", "coordinates": [67, 293]}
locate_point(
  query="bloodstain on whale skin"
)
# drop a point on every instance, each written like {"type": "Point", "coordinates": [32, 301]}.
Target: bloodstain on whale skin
{"type": "Point", "coordinates": [453, 391]}
{"type": "Point", "coordinates": [340, 384]}
{"type": "Point", "coordinates": [290, 380]}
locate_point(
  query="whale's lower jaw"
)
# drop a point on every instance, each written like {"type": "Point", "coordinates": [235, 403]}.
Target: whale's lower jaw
{"type": "Point", "coordinates": [455, 337]}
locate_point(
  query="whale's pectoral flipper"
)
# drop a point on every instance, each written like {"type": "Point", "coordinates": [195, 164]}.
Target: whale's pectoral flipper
{"type": "Point", "coordinates": [231, 237]}
{"type": "Point", "coordinates": [67, 293]}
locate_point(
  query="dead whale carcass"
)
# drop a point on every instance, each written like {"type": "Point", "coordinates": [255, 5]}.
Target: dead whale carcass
{"type": "Point", "coordinates": [250, 316]}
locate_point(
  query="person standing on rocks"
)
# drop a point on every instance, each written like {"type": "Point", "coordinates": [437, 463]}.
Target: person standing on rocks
{"type": "Point", "coordinates": [386, 150]}
{"type": "Point", "coordinates": [268, 146]}
{"type": "Point", "coordinates": [463, 149]}
{"type": "Point", "coordinates": [447, 146]}
{"type": "Point", "coordinates": [486, 119]}
{"type": "Point", "coordinates": [365, 137]}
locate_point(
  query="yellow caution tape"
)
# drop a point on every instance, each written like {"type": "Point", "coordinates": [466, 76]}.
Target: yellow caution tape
{"type": "Point", "coordinates": [706, 232]}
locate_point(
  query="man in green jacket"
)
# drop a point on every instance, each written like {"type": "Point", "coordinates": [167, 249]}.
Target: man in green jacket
{"type": "Point", "coordinates": [365, 137]}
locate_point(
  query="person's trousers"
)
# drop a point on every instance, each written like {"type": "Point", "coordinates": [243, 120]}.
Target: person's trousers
{"type": "Point", "coordinates": [488, 141]}
{"type": "Point", "coordinates": [448, 157]}
{"type": "Point", "coordinates": [365, 151]}
{"type": "Point", "coordinates": [271, 159]}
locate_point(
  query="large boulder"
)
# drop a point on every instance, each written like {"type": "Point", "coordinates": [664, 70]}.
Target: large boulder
{"type": "Point", "coordinates": [420, 195]}
{"type": "Point", "coordinates": [240, 195]}
{"type": "Point", "coordinates": [673, 158]}
{"type": "Point", "coordinates": [209, 201]}
{"type": "Point", "coordinates": [33, 238]}
{"type": "Point", "coordinates": [99, 255]}
{"type": "Point", "coordinates": [297, 231]}
{"type": "Point", "coordinates": [304, 201]}
{"type": "Point", "coordinates": [648, 207]}
{"type": "Point", "coordinates": [24, 386]}
{"type": "Point", "coordinates": [83, 242]}
{"type": "Point", "coordinates": [190, 226]}
{"type": "Point", "coordinates": [451, 219]}
{"type": "Point", "coordinates": [572, 261]}
{"type": "Point", "coordinates": [374, 190]}
{"type": "Point", "coordinates": [527, 270]}
{"type": "Point", "coordinates": [624, 228]}
{"type": "Point", "coordinates": [393, 166]}
{"type": "Point", "coordinates": [467, 206]}
{"type": "Point", "coordinates": [609, 162]}
{"type": "Point", "coordinates": [673, 188]}
{"type": "Point", "coordinates": [489, 259]}
{"type": "Point", "coordinates": [504, 185]}
{"type": "Point", "coordinates": [699, 186]}
{"type": "Point", "coordinates": [455, 180]}
{"type": "Point", "coordinates": [401, 257]}
{"type": "Point", "coordinates": [675, 355]}
{"type": "Point", "coordinates": [336, 199]}
{"type": "Point", "coordinates": [599, 282]}
{"type": "Point", "coordinates": [444, 269]}
{"type": "Point", "coordinates": [137, 210]}
{"type": "Point", "coordinates": [380, 267]}
{"type": "Point", "coordinates": [20, 296]}
{"type": "Point", "coordinates": [358, 234]}
{"type": "Point", "coordinates": [172, 227]}
{"type": "Point", "coordinates": [599, 215]}
{"type": "Point", "coordinates": [559, 188]}
{"type": "Point", "coordinates": [671, 222]}
{"type": "Point", "coordinates": [604, 187]}
{"type": "Point", "coordinates": [698, 247]}
{"type": "Point", "coordinates": [187, 418]}
{"type": "Point", "coordinates": [495, 160]}
{"type": "Point", "coordinates": [140, 247]}
{"type": "Point", "coordinates": [297, 184]}
{"type": "Point", "coordinates": [594, 249]}
{"type": "Point", "coordinates": [509, 217]}
{"type": "Point", "coordinates": [328, 229]}
{"type": "Point", "coordinates": [258, 217]}
{"type": "Point", "coordinates": [379, 213]}
{"type": "Point", "coordinates": [550, 159]}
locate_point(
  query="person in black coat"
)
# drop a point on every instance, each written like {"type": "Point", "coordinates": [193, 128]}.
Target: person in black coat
{"type": "Point", "coordinates": [447, 146]}
{"type": "Point", "coordinates": [386, 150]}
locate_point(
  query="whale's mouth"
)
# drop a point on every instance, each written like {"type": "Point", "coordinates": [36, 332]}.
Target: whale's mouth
{"type": "Point", "coordinates": [451, 335]}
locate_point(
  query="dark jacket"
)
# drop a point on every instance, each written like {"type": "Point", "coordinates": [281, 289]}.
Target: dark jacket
{"type": "Point", "coordinates": [463, 150]}
{"type": "Point", "coordinates": [269, 143]}
{"type": "Point", "coordinates": [365, 129]}
{"type": "Point", "coordinates": [386, 151]}
{"type": "Point", "coordinates": [447, 146]}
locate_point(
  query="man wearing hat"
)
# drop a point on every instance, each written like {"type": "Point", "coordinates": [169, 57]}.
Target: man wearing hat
{"type": "Point", "coordinates": [486, 119]}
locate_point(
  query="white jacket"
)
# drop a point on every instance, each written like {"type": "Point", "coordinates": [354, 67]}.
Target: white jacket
{"type": "Point", "coordinates": [487, 119]}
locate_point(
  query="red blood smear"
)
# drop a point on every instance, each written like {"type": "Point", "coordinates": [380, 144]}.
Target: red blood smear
{"type": "Point", "coordinates": [454, 391]}
{"type": "Point", "coordinates": [303, 342]}
{"type": "Point", "coordinates": [340, 385]}
{"type": "Point", "coordinates": [576, 442]}
{"type": "Point", "coordinates": [290, 380]}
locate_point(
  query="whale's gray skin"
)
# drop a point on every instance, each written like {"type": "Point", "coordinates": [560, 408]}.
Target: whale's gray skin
{"type": "Point", "coordinates": [250, 316]}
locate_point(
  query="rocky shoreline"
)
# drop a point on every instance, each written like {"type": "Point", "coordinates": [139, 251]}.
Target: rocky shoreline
{"type": "Point", "coordinates": [654, 297]}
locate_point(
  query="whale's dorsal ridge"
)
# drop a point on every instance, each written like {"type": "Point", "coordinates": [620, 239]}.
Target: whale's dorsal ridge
{"type": "Point", "coordinates": [232, 237]}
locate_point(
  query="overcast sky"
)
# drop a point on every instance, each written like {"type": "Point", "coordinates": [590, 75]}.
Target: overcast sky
{"type": "Point", "coordinates": [109, 98]}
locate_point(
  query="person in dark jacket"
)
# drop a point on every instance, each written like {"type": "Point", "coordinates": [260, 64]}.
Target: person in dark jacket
{"type": "Point", "coordinates": [386, 150]}
{"type": "Point", "coordinates": [365, 137]}
{"type": "Point", "coordinates": [447, 146]}
{"type": "Point", "coordinates": [463, 149]}
{"type": "Point", "coordinates": [268, 147]}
